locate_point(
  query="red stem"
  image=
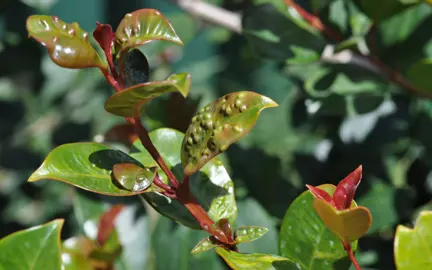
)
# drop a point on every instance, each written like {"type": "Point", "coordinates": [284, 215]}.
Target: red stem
{"type": "Point", "coordinates": [353, 259]}
{"type": "Point", "coordinates": [111, 80]}
{"type": "Point", "coordinates": [391, 74]}
{"type": "Point", "coordinates": [149, 146]}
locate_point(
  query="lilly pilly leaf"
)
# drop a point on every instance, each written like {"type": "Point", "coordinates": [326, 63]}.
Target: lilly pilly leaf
{"type": "Point", "coordinates": [85, 165]}
{"type": "Point", "coordinates": [206, 244]}
{"type": "Point", "coordinates": [240, 261]}
{"type": "Point", "coordinates": [132, 177]}
{"type": "Point", "coordinates": [220, 124]}
{"type": "Point", "coordinates": [143, 26]}
{"type": "Point", "coordinates": [67, 44]}
{"type": "Point", "coordinates": [249, 234]}
{"type": "Point", "coordinates": [34, 248]}
{"type": "Point", "coordinates": [413, 247]}
{"type": "Point", "coordinates": [129, 102]}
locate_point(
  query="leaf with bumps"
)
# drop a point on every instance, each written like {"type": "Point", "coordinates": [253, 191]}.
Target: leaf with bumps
{"type": "Point", "coordinates": [85, 165]}
{"type": "Point", "coordinates": [240, 261]}
{"type": "Point", "coordinates": [67, 44]}
{"type": "Point", "coordinates": [206, 244]}
{"type": "Point", "coordinates": [143, 26]}
{"type": "Point", "coordinates": [249, 233]}
{"type": "Point", "coordinates": [220, 124]}
{"type": "Point", "coordinates": [133, 177]}
{"type": "Point", "coordinates": [129, 102]}
{"type": "Point", "coordinates": [348, 224]}
{"type": "Point", "coordinates": [34, 248]}
{"type": "Point", "coordinates": [212, 186]}
{"type": "Point", "coordinates": [413, 246]}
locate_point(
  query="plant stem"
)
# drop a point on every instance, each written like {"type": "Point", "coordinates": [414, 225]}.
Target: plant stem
{"type": "Point", "coordinates": [149, 146]}
{"type": "Point", "coordinates": [353, 259]}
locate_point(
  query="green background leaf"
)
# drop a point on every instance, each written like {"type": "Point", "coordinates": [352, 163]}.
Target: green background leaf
{"type": "Point", "coordinates": [34, 248]}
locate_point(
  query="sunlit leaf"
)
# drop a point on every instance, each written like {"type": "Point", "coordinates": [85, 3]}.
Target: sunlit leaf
{"type": "Point", "coordinates": [212, 186]}
{"type": "Point", "coordinates": [413, 247]}
{"type": "Point", "coordinates": [85, 165]}
{"type": "Point", "coordinates": [143, 26]}
{"type": "Point", "coordinates": [316, 247]}
{"type": "Point", "coordinates": [34, 248]}
{"type": "Point", "coordinates": [218, 125]}
{"type": "Point", "coordinates": [133, 177]}
{"type": "Point", "coordinates": [129, 102]}
{"type": "Point", "coordinates": [67, 44]}
{"type": "Point", "coordinates": [249, 233]}
{"type": "Point", "coordinates": [241, 261]}
{"type": "Point", "coordinates": [206, 244]}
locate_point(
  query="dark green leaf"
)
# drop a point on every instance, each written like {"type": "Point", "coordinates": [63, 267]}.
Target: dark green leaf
{"type": "Point", "coordinates": [67, 44]}
{"type": "Point", "coordinates": [136, 68]}
{"type": "Point", "coordinates": [129, 102]}
{"type": "Point", "coordinates": [413, 247]}
{"type": "Point", "coordinates": [257, 261]}
{"type": "Point", "coordinates": [34, 248]}
{"type": "Point", "coordinates": [316, 247]}
{"type": "Point", "coordinates": [220, 124]}
{"type": "Point", "coordinates": [85, 165]}
{"type": "Point", "coordinates": [143, 26]}
{"type": "Point", "coordinates": [420, 75]}
{"type": "Point", "coordinates": [212, 186]}
{"type": "Point", "coordinates": [385, 8]}
{"type": "Point", "coordinates": [132, 177]}
{"type": "Point", "coordinates": [249, 233]}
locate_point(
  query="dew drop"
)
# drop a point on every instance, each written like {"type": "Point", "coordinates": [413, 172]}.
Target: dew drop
{"type": "Point", "coordinates": [331, 243]}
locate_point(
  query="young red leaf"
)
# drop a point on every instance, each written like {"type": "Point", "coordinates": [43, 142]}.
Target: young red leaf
{"type": "Point", "coordinates": [345, 190]}
{"type": "Point", "coordinates": [319, 193]}
{"type": "Point", "coordinates": [67, 44]}
{"type": "Point", "coordinates": [105, 36]}
{"type": "Point", "coordinates": [106, 224]}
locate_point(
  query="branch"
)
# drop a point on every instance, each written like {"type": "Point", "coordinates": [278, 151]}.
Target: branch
{"type": "Point", "coordinates": [212, 14]}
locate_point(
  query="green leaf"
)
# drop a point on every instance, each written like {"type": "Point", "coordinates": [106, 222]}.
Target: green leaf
{"type": "Point", "coordinates": [220, 124]}
{"type": "Point", "coordinates": [75, 252]}
{"type": "Point", "coordinates": [316, 247]}
{"type": "Point", "coordinates": [212, 186]}
{"type": "Point", "coordinates": [419, 75]}
{"type": "Point", "coordinates": [257, 261]}
{"type": "Point", "coordinates": [34, 248]}
{"type": "Point", "coordinates": [85, 165]}
{"type": "Point", "coordinates": [413, 247]}
{"type": "Point", "coordinates": [349, 224]}
{"type": "Point", "coordinates": [279, 33]}
{"type": "Point", "coordinates": [206, 244]}
{"type": "Point", "coordinates": [132, 177]}
{"type": "Point", "coordinates": [249, 233]}
{"type": "Point", "coordinates": [129, 102]}
{"type": "Point", "coordinates": [143, 26]}
{"type": "Point", "coordinates": [67, 44]}
{"type": "Point", "coordinates": [384, 10]}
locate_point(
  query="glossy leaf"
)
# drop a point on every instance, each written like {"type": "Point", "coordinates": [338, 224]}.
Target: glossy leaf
{"type": "Point", "coordinates": [212, 186]}
{"type": "Point", "coordinates": [206, 244]}
{"type": "Point", "coordinates": [316, 247]}
{"type": "Point", "coordinates": [257, 261]}
{"type": "Point", "coordinates": [34, 248]}
{"type": "Point", "coordinates": [249, 233]}
{"type": "Point", "coordinates": [345, 190]}
{"type": "Point", "coordinates": [85, 165]}
{"type": "Point", "coordinates": [104, 36]}
{"type": "Point", "coordinates": [133, 177]}
{"type": "Point", "coordinates": [348, 224]}
{"type": "Point", "coordinates": [419, 75]}
{"type": "Point", "coordinates": [413, 247]}
{"type": "Point", "coordinates": [129, 102]}
{"type": "Point", "coordinates": [143, 26]}
{"type": "Point", "coordinates": [218, 125]}
{"type": "Point", "coordinates": [67, 44]}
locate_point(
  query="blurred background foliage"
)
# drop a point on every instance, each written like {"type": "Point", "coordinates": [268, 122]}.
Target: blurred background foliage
{"type": "Point", "coordinates": [333, 116]}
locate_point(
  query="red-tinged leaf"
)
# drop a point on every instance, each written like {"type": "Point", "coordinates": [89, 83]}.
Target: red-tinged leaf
{"type": "Point", "coordinates": [143, 26]}
{"type": "Point", "coordinates": [67, 44]}
{"type": "Point", "coordinates": [346, 189]}
{"type": "Point", "coordinates": [319, 193]}
{"type": "Point", "coordinates": [105, 36]}
{"type": "Point", "coordinates": [106, 224]}
{"type": "Point", "coordinates": [225, 226]}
